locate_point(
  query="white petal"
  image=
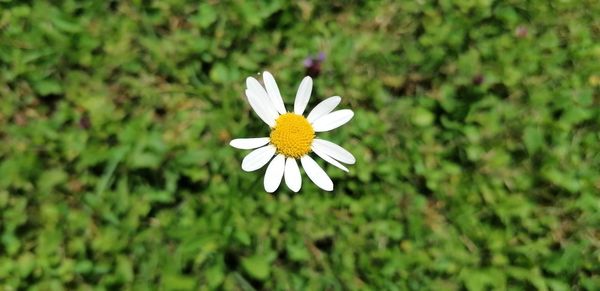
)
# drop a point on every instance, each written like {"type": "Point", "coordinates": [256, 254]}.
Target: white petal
{"type": "Point", "coordinates": [323, 108]}
{"type": "Point", "coordinates": [273, 92]}
{"type": "Point", "coordinates": [257, 90]}
{"type": "Point", "coordinates": [249, 143]}
{"type": "Point", "coordinates": [274, 173]}
{"type": "Point", "coordinates": [327, 158]}
{"type": "Point", "coordinates": [316, 174]}
{"type": "Point", "coordinates": [292, 175]}
{"type": "Point", "coordinates": [255, 86]}
{"type": "Point", "coordinates": [333, 120]}
{"type": "Point", "coordinates": [303, 95]}
{"type": "Point", "coordinates": [263, 110]}
{"type": "Point", "coordinates": [257, 158]}
{"type": "Point", "coordinates": [333, 150]}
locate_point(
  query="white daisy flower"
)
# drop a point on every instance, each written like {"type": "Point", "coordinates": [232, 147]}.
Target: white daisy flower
{"type": "Point", "coordinates": [293, 136]}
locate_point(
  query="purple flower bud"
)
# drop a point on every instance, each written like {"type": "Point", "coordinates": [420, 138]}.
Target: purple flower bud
{"type": "Point", "coordinates": [85, 122]}
{"type": "Point", "coordinates": [521, 31]}
{"type": "Point", "coordinates": [313, 64]}
{"type": "Point", "coordinates": [321, 56]}
{"type": "Point", "coordinates": [478, 79]}
{"type": "Point", "coordinates": [308, 62]}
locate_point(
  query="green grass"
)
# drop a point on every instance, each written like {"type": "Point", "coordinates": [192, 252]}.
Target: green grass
{"type": "Point", "coordinates": [477, 138]}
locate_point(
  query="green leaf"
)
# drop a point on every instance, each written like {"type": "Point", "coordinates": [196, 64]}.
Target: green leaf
{"type": "Point", "coordinates": [178, 282]}
{"type": "Point", "coordinates": [533, 139]}
{"type": "Point", "coordinates": [219, 73]}
{"type": "Point", "coordinates": [257, 266]}
{"type": "Point", "coordinates": [47, 87]}
{"type": "Point", "coordinates": [422, 117]}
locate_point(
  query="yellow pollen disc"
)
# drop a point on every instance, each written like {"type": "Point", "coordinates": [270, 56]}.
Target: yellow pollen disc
{"type": "Point", "coordinates": [292, 135]}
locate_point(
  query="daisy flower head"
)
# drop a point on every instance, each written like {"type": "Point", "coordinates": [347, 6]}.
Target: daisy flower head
{"type": "Point", "coordinates": [293, 136]}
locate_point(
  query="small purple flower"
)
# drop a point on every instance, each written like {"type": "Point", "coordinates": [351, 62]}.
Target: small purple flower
{"type": "Point", "coordinates": [321, 56]}
{"type": "Point", "coordinates": [313, 64]}
{"type": "Point", "coordinates": [85, 122]}
{"type": "Point", "coordinates": [478, 79]}
{"type": "Point", "coordinates": [308, 62]}
{"type": "Point", "coordinates": [521, 31]}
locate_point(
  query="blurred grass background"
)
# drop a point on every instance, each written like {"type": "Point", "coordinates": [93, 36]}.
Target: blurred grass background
{"type": "Point", "coordinates": [476, 135]}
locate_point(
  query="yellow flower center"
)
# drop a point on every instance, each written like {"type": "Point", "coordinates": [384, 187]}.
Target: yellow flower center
{"type": "Point", "coordinates": [292, 135]}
